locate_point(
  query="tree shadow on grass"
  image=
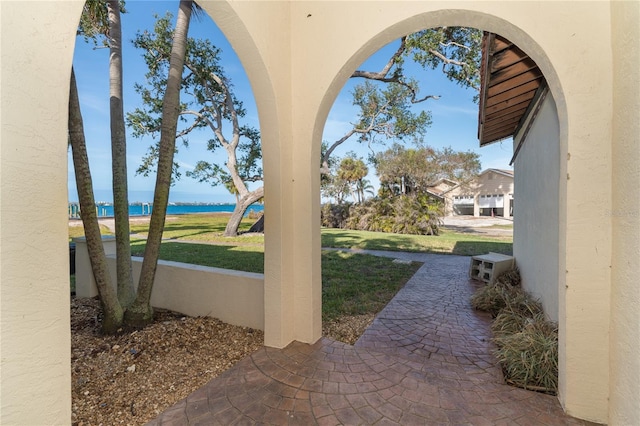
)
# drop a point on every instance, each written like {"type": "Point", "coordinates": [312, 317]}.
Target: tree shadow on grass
{"type": "Point", "coordinates": [237, 258]}
{"type": "Point", "coordinates": [445, 243]}
{"type": "Point", "coordinates": [474, 248]}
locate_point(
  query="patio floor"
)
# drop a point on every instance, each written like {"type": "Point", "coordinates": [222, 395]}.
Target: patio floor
{"type": "Point", "coordinates": [426, 359]}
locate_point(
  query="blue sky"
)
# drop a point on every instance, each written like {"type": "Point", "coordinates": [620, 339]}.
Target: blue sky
{"type": "Point", "coordinates": [454, 114]}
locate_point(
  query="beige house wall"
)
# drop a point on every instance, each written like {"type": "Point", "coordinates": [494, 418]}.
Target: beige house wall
{"type": "Point", "coordinates": [624, 335]}
{"type": "Point", "coordinates": [298, 55]}
{"type": "Point", "coordinates": [488, 182]}
{"type": "Point", "coordinates": [536, 224]}
{"type": "Point", "coordinates": [36, 48]}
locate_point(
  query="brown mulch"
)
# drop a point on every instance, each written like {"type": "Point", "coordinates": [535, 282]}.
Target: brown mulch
{"type": "Point", "coordinates": [130, 378]}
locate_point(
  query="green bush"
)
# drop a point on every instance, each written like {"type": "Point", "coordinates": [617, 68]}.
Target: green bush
{"type": "Point", "coordinates": [334, 215]}
{"type": "Point", "coordinates": [405, 214]}
{"type": "Point", "coordinates": [529, 358]}
{"type": "Point", "coordinates": [527, 342]}
{"type": "Point", "coordinates": [493, 298]}
{"type": "Point", "coordinates": [515, 318]}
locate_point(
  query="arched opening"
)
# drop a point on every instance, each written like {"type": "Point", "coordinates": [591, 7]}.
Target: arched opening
{"type": "Point", "coordinates": [553, 183]}
{"type": "Point", "coordinates": [257, 309]}
{"type": "Point", "coordinates": [578, 45]}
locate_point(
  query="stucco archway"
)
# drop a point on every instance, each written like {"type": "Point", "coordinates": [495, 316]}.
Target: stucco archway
{"type": "Point", "coordinates": [524, 41]}
{"type": "Point", "coordinates": [316, 46]}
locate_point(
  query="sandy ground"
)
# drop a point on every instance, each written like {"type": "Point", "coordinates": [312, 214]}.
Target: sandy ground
{"type": "Point", "coordinates": [109, 222]}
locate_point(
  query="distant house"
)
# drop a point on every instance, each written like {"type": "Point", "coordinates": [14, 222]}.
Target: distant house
{"type": "Point", "coordinates": [489, 194]}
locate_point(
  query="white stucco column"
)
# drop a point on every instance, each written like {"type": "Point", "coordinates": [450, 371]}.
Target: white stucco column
{"type": "Point", "coordinates": [37, 40]}
{"type": "Point", "coordinates": [586, 169]}
{"type": "Point", "coordinates": [506, 205]}
{"type": "Point", "coordinates": [625, 216]}
{"type": "Point", "coordinates": [292, 293]}
{"type": "Point", "coordinates": [476, 205]}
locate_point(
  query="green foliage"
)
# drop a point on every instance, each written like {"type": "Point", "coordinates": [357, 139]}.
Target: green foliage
{"type": "Point", "coordinates": [335, 215]}
{"type": "Point", "coordinates": [94, 22]}
{"type": "Point", "coordinates": [356, 284]}
{"type": "Point", "coordinates": [412, 170]}
{"type": "Point", "coordinates": [529, 358]}
{"type": "Point", "coordinates": [457, 50]}
{"type": "Point", "coordinates": [417, 215]}
{"type": "Point", "coordinates": [385, 111]}
{"type": "Point", "coordinates": [527, 342]}
{"type": "Point", "coordinates": [386, 98]}
{"type": "Point", "coordinates": [352, 171]}
{"type": "Point", "coordinates": [208, 102]}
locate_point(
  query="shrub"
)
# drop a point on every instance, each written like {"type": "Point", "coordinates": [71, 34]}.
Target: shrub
{"type": "Point", "coordinates": [405, 214]}
{"type": "Point", "coordinates": [527, 342]}
{"type": "Point", "coordinates": [514, 318]}
{"type": "Point", "coordinates": [335, 215]}
{"type": "Point", "coordinates": [529, 358]}
{"type": "Point", "coordinates": [510, 277]}
{"type": "Point", "coordinates": [494, 297]}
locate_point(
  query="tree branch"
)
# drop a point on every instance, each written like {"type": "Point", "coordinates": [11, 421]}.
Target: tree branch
{"type": "Point", "coordinates": [382, 75]}
{"type": "Point", "coordinates": [453, 43]}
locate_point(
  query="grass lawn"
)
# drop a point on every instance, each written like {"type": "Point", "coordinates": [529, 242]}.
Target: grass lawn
{"type": "Point", "coordinates": [352, 284]}
{"type": "Point", "coordinates": [209, 228]}
{"type": "Point", "coordinates": [448, 242]}
{"type": "Point", "coordinates": [246, 258]}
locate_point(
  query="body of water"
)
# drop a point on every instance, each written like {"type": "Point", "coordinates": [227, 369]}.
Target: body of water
{"type": "Point", "coordinates": [172, 209]}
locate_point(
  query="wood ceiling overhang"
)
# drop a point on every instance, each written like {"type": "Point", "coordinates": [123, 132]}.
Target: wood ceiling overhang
{"type": "Point", "coordinates": [509, 81]}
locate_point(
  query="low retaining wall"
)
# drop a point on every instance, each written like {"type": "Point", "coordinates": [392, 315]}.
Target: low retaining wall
{"type": "Point", "coordinates": [232, 296]}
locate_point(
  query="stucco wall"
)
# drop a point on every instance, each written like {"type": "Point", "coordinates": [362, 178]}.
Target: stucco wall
{"type": "Point", "coordinates": [36, 47]}
{"type": "Point", "coordinates": [296, 73]}
{"type": "Point", "coordinates": [234, 297]}
{"type": "Point", "coordinates": [570, 41]}
{"type": "Point", "coordinates": [536, 220]}
{"type": "Point", "coordinates": [625, 214]}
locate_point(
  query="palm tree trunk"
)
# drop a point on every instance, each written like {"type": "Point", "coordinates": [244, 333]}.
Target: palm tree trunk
{"type": "Point", "coordinates": [140, 312]}
{"type": "Point", "coordinates": [119, 159]}
{"type": "Point", "coordinates": [112, 309]}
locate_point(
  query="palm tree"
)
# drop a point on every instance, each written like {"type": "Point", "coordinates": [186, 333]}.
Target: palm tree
{"type": "Point", "coordinates": [100, 19]}
{"type": "Point", "coordinates": [352, 170]}
{"type": "Point", "coordinates": [119, 158]}
{"type": "Point", "coordinates": [140, 312]}
{"type": "Point", "coordinates": [112, 310]}
{"type": "Point", "coordinates": [363, 185]}
{"type": "Point", "coordinates": [120, 306]}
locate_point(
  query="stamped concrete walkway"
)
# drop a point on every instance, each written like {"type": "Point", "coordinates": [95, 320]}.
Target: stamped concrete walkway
{"type": "Point", "coordinates": [425, 360]}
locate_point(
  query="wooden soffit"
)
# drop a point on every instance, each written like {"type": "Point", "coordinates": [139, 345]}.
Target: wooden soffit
{"type": "Point", "coordinates": [509, 81]}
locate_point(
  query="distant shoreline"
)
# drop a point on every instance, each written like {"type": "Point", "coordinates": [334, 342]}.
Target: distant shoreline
{"type": "Point", "coordinates": [137, 210]}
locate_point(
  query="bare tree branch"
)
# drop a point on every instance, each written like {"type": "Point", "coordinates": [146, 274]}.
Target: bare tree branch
{"type": "Point", "coordinates": [382, 75]}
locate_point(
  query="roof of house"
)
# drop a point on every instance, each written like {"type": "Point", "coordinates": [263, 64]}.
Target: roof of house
{"type": "Point", "coordinates": [441, 194]}
{"type": "Point", "coordinates": [501, 171]}
{"type": "Point", "coordinates": [509, 81]}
